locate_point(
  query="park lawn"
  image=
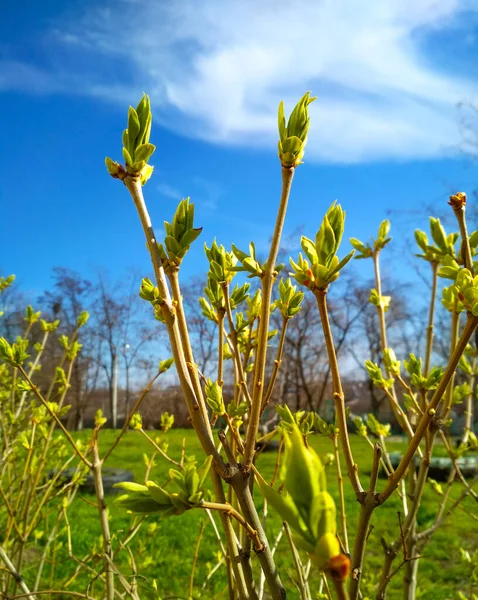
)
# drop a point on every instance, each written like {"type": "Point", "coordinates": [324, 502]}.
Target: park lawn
{"type": "Point", "coordinates": [164, 550]}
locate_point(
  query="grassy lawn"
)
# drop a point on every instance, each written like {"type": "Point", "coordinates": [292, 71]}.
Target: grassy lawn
{"type": "Point", "coordinates": [164, 549]}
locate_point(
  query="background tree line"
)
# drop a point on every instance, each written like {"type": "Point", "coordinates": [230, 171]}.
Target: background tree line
{"type": "Point", "coordinates": [123, 343]}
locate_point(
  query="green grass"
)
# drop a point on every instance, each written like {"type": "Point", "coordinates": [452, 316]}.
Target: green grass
{"type": "Point", "coordinates": [164, 550]}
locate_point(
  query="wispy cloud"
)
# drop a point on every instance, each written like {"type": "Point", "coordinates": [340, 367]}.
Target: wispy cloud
{"type": "Point", "coordinates": [217, 69]}
{"type": "Point", "coordinates": [169, 191]}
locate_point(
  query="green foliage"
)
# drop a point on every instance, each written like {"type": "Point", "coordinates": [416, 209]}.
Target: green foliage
{"type": "Point", "coordinates": [377, 428]}
{"type": "Point", "coordinates": [289, 300]}
{"type": "Point", "coordinates": [380, 301]}
{"type": "Point", "coordinates": [376, 375]}
{"type": "Point", "coordinates": [221, 263]}
{"type": "Point", "coordinates": [14, 354]}
{"type": "Point", "coordinates": [165, 365]}
{"type": "Point", "coordinates": [325, 265]}
{"type": "Point", "coordinates": [136, 147]}
{"type": "Point", "coordinates": [368, 250]}
{"type": "Point", "coordinates": [391, 363]}
{"type": "Point", "coordinates": [214, 398]}
{"type": "Point", "coordinates": [305, 503]}
{"type": "Point", "coordinates": [180, 234]}
{"type": "Point", "coordinates": [166, 421]}
{"type": "Point", "coordinates": [413, 366]}
{"type": "Point", "coordinates": [293, 135]}
{"type": "Point", "coordinates": [188, 486]}
{"type": "Point", "coordinates": [443, 247]}
{"type": "Point", "coordinates": [6, 282]}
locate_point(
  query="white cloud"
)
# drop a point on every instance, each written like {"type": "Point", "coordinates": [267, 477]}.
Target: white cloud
{"type": "Point", "coordinates": [216, 70]}
{"type": "Point", "coordinates": [170, 192]}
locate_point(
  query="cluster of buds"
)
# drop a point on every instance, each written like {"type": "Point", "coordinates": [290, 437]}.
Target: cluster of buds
{"type": "Point", "coordinates": [450, 301]}
{"type": "Point", "coordinates": [14, 354]}
{"type": "Point", "coordinates": [376, 375]}
{"type": "Point", "coordinates": [6, 282]}
{"type": "Point", "coordinates": [250, 264]}
{"type": "Point", "coordinates": [221, 263]}
{"type": "Point", "coordinates": [305, 503]}
{"type": "Point", "coordinates": [444, 245]}
{"type": "Point", "coordinates": [382, 302]}
{"type": "Point", "coordinates": [136, 147]}
{"type": "Point", "coordinates": [166, 422]}
{"type": "Point", "coordinates": [216, 303]}
{"type": "Point", "coordinates": [414, 368]}
{"type": "Point", "coordinates": [325, 265]}
{"type": "Point", "coordinates": [290, 299]}
{"type": "Point", "coordinates": [293, 135]}
{"type": "Point", "coordinates": [180, 234]}
{"type": "Point", "coordinates": [465, 289]}
{"type": "Point", "coordinates": [151, 498]}
{"type": "Point", "coordinates": [368, 250]}
{"type": "Point", "coordinates": [214, 398]}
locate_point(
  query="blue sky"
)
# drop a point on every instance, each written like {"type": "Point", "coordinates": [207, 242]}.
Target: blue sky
{"type": "Point", "coordinates": [385, 130]}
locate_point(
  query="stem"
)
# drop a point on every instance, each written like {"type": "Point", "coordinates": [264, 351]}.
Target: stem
{"type": "Point", "coordinates": [301, 582]}
{"type": "Point", "coordinates": [220, 348]}
{"type": "Point", "coordinates": [130, 416]}
{"type": "Point", "coordinates": [232, 512]}
{"type": "Point", "coordinates": [173, 276]}
{"type": "Point", "coordinates": [352, 468]}
{"type": "Point", "coordinates": [423, 535]}
{"type": "Point", "coordinates": [343, 514]}
{"type": "Point", "coordinates": [169, 313]}
{"type": "Point", "coordinates": [105, 528]}
{"type": "Point", "coordinates": [397, 410]}
{"type": "Point", "coordinates": [261, 353]}
{"type": "Point", "coordinates": [266, 559]}
{"type": "Point", "coordinates": [428, 415]}
{"type": "Point", "coordinates": [381, 312]}
{"type": "Point", "coordinates": [195, 558]}
{"type": "Point", "coordinates": [277, 364]}
{"type": "Point", "coordinates": [235, 559]}
{"type": "Point", "coordinates": [340, 589]}
{"type": "Point", "coordinates": [366, 510]}
{"type": "Point", "coordinates": [465, 248]}
{"type": "Point", "coordinates": [241, 376]}
{"type": "Point", "coordinates": [455, 329]}
{"type": "Point", "coordinates": [16, 576]}
{"type": "Point", "coordinates": [54, 417]}
{"type": "Point", "coordinates": [31, 371]}
{"type": "Point", "coordinates": [431, 317]}
{"type": "Point", "coordinates": [469, 404]}
{"type": "Point", "coordinates": [160, 450]}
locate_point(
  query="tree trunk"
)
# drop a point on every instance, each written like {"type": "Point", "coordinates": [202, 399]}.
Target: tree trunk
{"type": "Point", "coordinates": [114, 392]}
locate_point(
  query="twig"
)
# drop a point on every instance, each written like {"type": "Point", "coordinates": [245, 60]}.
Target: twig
{"type": "Point", "coordinates": [301, 582]}
{"type": "Point", "coordinates": [268, 278]}
{"type": "Point", "coordinates": [232, 512]}
{"type": "Point", "coordinates": [340, 481]}
{"type": "Point", "coordinates": [427, 417]}
{"type": "Point", "coordinates": [352, 468]}
{"type": "Point", "coordinates": [195, 558]}
{"type": "Point", "coordinates": [16, 576]}
{"type": "Point", "coordinates": [54, 417]}
{"type": "Point", "coordinates": [130, 416]}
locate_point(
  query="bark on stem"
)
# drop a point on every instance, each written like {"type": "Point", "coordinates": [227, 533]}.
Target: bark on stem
{"type": "Point", "coordinates": [169, 313]}
{"type": "Point", "coordinates": [105, 528]}
{"type": "Point", "coordinates": [261, 356]}
{"type": "Point", "coordinates": [352, 469]}
{"type": "Point", "coordinates": [427, 417]}
{"type": "Point", "coordinates": [465, 248]}
{"type": "Point", "coordinates": [431, 318]}
{"type": "Point", "coordinates": [340, 481]}
{"type": "Point", "coordinates": [277, 364]}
